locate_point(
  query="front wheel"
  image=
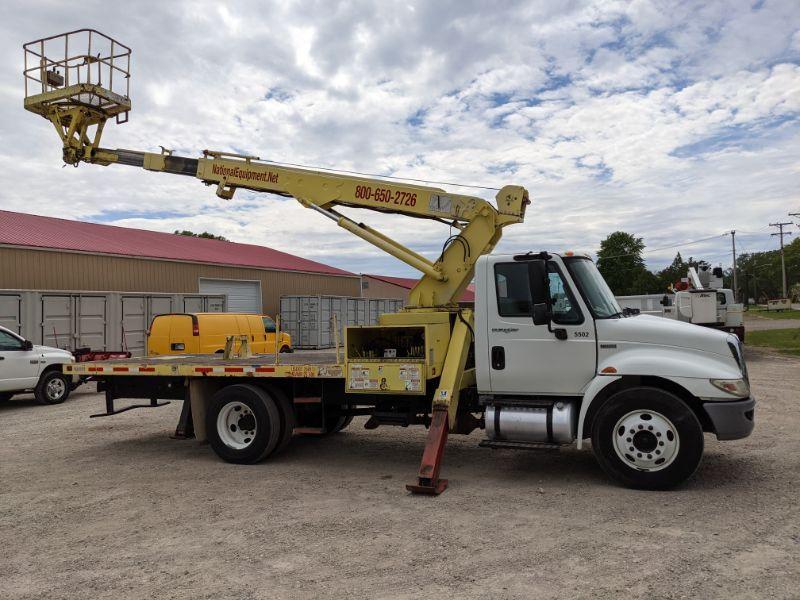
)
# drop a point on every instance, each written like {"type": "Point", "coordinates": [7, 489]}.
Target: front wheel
{"type": "Point", "coordinates": [5, 396]}
{"type": "Point", "coordinates": [647, 438]}
{"type": "Point", "coordinates": [53, 388]}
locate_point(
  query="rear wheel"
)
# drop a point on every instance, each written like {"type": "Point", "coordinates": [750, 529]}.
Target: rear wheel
{"type": "Point", "coordinates": [647, 438]}
{"type": "Point", "coordinates": [288, 420]}
{"type": "Point", "coordinates": [5, 396]}
{"type": "Point", "coordinates": [243, 424]}
{"type": "Point", "coordinates": [53, 388]}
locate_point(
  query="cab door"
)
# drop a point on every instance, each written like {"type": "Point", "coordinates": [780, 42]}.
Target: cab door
{"type": "Point", "coordinates": [528, 359]}
{"type": "Point", "coordinates": [19, 367]}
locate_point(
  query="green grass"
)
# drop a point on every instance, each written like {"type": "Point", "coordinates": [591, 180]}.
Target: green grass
{"type": "Point", "coordinates": [784, 314]}
{"type": "Point", "coordinates": [784, 340]}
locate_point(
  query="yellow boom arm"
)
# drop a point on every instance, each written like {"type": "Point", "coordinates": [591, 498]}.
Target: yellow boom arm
{"type": "Point", "coordinates": [479, 223]}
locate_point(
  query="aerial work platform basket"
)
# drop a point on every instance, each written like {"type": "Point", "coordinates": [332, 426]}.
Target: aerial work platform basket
{"type": "Point", "coordinates": [77, 81]}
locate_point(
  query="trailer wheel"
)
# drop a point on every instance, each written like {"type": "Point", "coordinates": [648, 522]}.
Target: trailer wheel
{"type": "Point", "coordinates": [647, 438]}
{"type": "Point", "coordinates": [243, 424]}
{"type": "Point", "coordinates": [53, 388]}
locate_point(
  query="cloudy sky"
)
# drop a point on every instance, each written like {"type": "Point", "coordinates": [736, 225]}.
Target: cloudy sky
{"type": "Point", "coordinates": [676, 121]}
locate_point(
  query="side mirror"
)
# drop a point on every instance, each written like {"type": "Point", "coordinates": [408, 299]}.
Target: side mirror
{"type": "Point", "coordinates": [27, 345]}
{"type": "Point", "coordinates": [540, 292]}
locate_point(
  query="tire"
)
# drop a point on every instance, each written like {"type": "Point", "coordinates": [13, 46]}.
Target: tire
{"type": "Point", "coordinates": [5, 396]}
{"type": "Point", "coordinates": [288, 420]}
{"type": "Point", "coordinates": [664, 434]}
{"type": "Point", "coordinates": [243, 424]}
{"type": "Point", "coordinates": [335, 425]}
{"type": "Point", "coordinates": [53, 388]}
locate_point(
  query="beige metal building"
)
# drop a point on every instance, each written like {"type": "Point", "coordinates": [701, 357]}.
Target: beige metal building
{"type": "Point", "coordinates": [45, 253]}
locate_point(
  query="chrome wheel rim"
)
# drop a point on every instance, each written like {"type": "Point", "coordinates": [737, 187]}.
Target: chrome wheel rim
{"type": "Point", "coordinates": [236, 425]}
{"type": "Point", "coordinates": [55, 389]}
{"type": "Point", "coordinates": [646, 440]}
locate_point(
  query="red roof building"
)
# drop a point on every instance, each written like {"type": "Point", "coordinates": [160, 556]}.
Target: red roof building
{"type": "Point", "coordinates": [45, 253]}
{"type": "Point", "coordinates": [19, 229]}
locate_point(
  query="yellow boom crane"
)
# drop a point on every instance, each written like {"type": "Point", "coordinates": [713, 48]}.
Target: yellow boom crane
{"type": "Point", "coordinates": [80, 80]}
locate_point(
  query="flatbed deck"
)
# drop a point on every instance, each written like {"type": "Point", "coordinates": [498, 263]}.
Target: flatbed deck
{"type": "Point", "coordinates": [297, 364]}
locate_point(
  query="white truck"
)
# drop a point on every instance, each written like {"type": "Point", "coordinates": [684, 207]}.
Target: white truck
{"type": "Point", "coordinates": [697, 298]}
{"type": "Point", "coordinates": [25, 367]}
{"type": "Point", "coordinates": [704, 301]}
{"type": "Point", "coordinates": [556, 362]}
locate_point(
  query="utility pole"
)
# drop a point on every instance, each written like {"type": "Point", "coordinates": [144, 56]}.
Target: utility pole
{"type": "Point", "coordinates": [782, 233]}
{"type": "Point", "coordinates": [735, 284]}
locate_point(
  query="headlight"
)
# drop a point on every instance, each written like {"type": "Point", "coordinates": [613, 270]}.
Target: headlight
{"type": "Point", "coordinates": [736, 387]}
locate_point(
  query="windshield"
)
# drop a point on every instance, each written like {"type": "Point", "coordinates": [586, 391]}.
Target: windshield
{"type": "Point", "coordinates": [594, 288]}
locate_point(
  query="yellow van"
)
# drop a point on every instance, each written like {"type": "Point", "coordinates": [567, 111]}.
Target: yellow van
{"type": "Point", "coordinates": [205, 333]}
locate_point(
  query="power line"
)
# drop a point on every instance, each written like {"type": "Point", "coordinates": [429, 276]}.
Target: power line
{"type": "Point", "coordinates": [332, 170]}
{"type": "Point", "coordinates": [681, 245]}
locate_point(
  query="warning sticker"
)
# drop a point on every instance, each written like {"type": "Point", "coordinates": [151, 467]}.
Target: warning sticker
{"type": "Point", "coordinates": [411, 377]}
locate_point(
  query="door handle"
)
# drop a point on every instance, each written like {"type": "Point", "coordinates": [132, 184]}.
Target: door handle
{"type": "Point", "coordinates": [2, 357]}
{"type": "Point", "coordinates": [498, 358]}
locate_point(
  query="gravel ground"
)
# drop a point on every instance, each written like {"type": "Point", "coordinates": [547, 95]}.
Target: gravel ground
{"type": "Point", "coordinates": [113, 508]}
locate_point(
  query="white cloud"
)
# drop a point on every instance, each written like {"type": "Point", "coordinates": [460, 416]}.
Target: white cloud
{"type": "Point", "coordinates": [672, 121]}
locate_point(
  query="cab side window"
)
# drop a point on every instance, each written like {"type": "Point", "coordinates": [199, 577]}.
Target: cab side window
{"type": "Point", "coordinates": [513, 289]}
{"type": "Point", "coordinates": [514, 294]}
{"type": "Point", "coordinates": [9, 342]}
{"type": "Point", "coordinates": [269, 325]}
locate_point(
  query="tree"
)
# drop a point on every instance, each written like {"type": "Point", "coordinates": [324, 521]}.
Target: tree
{"type": "Point", "coordinates": [622, 266]}
{"type": "Point", "coordinates": [674, 272]}
{"type": "Point", "coordinates": [205, 235]}
{"type": "Point", "coordinates": [760, 277]}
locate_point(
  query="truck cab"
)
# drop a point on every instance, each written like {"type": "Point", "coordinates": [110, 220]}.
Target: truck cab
{"type": "Point", "coordinates": [557, 360]}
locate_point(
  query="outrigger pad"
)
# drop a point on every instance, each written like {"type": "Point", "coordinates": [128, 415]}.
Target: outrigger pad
{"type": "Point", "coordinates": [428, 489]}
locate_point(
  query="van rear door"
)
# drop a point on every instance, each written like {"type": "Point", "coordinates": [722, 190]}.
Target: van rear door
{"type": "Point", "coordinates": [182, 339]}
{"type": "Point", "coordinates": [158, 335]}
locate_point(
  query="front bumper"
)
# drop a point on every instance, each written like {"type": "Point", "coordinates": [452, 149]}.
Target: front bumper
{"type": "Point", "coordinates": [732, 420]}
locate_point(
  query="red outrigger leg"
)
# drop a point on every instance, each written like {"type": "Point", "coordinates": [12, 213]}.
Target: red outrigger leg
{"type": "Point", "coordinates": [428, 481]}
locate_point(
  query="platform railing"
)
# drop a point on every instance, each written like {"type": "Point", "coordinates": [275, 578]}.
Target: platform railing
{"type": "Point", "coordinates": [84, 56]}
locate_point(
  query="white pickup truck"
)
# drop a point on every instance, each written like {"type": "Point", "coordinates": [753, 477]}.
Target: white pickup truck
{"type": "Point", "coordinates": [25, 367]}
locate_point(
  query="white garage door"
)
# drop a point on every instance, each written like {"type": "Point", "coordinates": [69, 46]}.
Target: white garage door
{"type": "Point", "coordinates": [243, 296]}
